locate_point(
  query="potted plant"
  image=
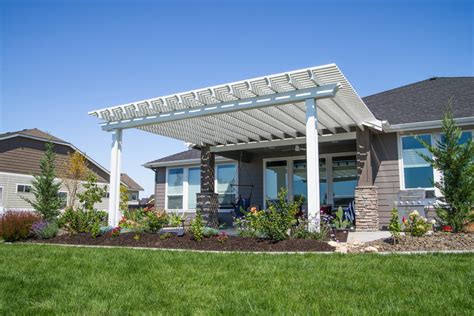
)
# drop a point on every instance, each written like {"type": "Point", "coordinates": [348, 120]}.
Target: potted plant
{"type": "Point", "coordinates": [341, 226]}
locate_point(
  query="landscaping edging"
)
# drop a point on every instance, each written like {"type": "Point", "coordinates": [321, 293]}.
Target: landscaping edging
{"type": "Point", "coordinates": [246, 252]}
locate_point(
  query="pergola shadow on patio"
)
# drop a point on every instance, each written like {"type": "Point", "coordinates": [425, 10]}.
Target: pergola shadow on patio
{"type": "Point", "coordinates": [305, 106]}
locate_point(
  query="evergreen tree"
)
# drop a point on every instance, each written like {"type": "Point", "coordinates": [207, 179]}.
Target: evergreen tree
{"type": "Point", "coordinates": [394, 226]}
{"type": "Point", "coordinates": [45, 189]}
{"type": "Point", "coordinates": [456, 163]}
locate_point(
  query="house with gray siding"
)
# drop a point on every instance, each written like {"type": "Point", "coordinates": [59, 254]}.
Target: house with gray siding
{"type": "Point", "coordinates": [307, 131]}
{"type": "Point", "coordinates": [414, 109]}
{"type": "Point", "coordinates": [20, 155]}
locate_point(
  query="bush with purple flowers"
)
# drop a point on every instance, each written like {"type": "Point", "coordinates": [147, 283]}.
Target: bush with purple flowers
{"type": "Point", "coordinates": [45, 229]}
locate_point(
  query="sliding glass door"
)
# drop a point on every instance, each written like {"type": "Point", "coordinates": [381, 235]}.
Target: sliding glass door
{"type": "Point", "coordinates": [344, 179]}
{"type": "Point", "coordinates": [299, 184]}
{"type": "Point", "coordinates": [275, 178]}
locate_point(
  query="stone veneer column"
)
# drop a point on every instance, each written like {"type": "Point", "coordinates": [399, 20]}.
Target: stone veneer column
{"type": "Point", "coordinates": [366, 208]}
{"type": "Point", "coordinates": [207, 201]}
{"type": "Point", "coordinates": [366, 198]}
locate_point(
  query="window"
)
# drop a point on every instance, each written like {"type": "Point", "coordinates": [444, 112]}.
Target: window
{"type": "Point", "coordinates": [344, 179]}
{"type": "Point", "coordinates": [63, 196]}
{"type": "Point", "coordinates": [175, 181]}
{"type": "Point", "coordinates": [300, 186]}
{"type": "Point", "coordinates": [417, 173]}
{"type": "Point", "coordinates": [465, 136]}
{"type": "Point", "coordinates": [226, 178]}
{"type": "Point", "coordinates": [275, 178]}
{"type": "Point", "coordinates": [107, 195]}
{"type": "Point", "coordinates": [194, 186]}
{"type": "Point", "coordinates": [23, 188]}
{"type": "Point", "coordinates": [134, 197]}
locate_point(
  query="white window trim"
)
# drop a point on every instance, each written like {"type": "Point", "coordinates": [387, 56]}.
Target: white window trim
{"type": "Point", "coordinates": [185, 193]}
{"type": "Point", "coordinates": [24, 184]}
{"type": "Point", "coordinates": [289, 174]}
{"type": "Point", "coordinates": [435, 136]}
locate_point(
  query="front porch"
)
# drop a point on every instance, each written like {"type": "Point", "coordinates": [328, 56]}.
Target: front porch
{"type": "Point", "coordinates": [306, 130]}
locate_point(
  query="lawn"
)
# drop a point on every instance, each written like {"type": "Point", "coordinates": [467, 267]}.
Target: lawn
{"type": "Point", "coordinates": [53, 279]}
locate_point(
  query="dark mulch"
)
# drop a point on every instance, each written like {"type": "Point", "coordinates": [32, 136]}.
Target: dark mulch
{"type": "Point", "coordinates": [234, 243]}
{"type": "Point", "coordinates": [434, 242]}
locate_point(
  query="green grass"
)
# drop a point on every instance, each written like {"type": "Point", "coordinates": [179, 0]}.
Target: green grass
{"type": "Point", "coordinates": [50, 279]}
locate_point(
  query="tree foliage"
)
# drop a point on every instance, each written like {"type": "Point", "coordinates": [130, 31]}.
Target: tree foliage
{"type": "Point", "coordinates": [44, 187]}
{"type": "Point", "coordinates": [75, 170]}
{"type": "Point", "coordinates": [92, 192]}
{"type": "Point", "coordinates": [123, 198]}
{"type": "Point", "coordinates": [456, 163]}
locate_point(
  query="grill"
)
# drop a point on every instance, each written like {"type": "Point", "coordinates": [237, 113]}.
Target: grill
{"type": "Point", "coordinates": [417, 199]}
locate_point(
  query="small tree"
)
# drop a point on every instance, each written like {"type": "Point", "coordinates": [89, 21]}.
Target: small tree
{"type": "Point", "coordinates": [75, 171]}
{"type": "Point", "coordinates": [456, 163]}
{"type": "Point", "coordinates": [44, 187]}
{"type": "Point", "coordinates": [394, 226]}
{"type": "Point", "coordinates": [123, 198]}
{"type": "Point", "coordinates": [92, 193]}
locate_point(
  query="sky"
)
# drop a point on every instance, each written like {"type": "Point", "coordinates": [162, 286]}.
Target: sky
{"type": "Point", "coordinates": [61, 59]}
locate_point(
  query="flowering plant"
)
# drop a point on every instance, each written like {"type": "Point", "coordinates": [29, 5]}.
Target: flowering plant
{"type": "Point", "coordinates": [115, 232]}
{"type": "Point", "coordinates": [222, 237]}
{"type": "Point", "coordinates": [45, 229]}
{"type": "Point", "coordinates": [416, 224]}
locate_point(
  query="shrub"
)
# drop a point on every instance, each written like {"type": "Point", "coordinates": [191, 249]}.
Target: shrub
{"type": "Point", "coordinates": [165, 236]}
{"type": "Point", "coordinates": [45, 229]}
{"type": "Point", "coordinates": [176, 220]}
{"type": "Point", "coordinates": [273, 223]}
{"type": "Point", "coordinates": [339, 222]}
{"type": "Point", "coordinates": [394, 226]}
{"type": "Point", "coordinates": [16, 226]}
{"type": "Point", "coordinates": [197, 227]}
{"type": "Point", "coordinates": [83, 221]}
{"type": "Point", "coordinates": [222, 237]}
{"type": "Point", "coordinates": [155, 220]}
{"type": "Point", "coordinates": [301, 231]}
{"type": "Point", "coordinates": [416, 225]}
{"type": "Point", "coordinates": [115, 232]}
{"type": "Point", "coordinates": [209, 232]}
{"type": "Point", "coordinates": [92, 193]}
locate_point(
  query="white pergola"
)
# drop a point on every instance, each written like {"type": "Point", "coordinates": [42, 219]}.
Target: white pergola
{"type": "Point", "coordinates": [286, 108]}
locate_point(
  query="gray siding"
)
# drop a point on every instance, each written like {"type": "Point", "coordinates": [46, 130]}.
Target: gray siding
{"type": "Point", "coordinates": [160, 187]}
{"type": "Point", "coordinates": [385, 170]}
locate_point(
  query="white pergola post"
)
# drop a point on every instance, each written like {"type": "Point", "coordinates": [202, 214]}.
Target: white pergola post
{"type": "Point", "coordinates": [115, 167]}
{"type": "Point", "coordinates": [312, 165]}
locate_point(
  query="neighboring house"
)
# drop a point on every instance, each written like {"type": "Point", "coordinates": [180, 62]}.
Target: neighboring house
{"type": "Point", "coordinates": [133, 189]}
{"type": "Point", "coordinates": [305, 130]}
{"type": "Point", "coordinates": [412, 109]}
{"type": "Point", "coordinates": [20, 155]}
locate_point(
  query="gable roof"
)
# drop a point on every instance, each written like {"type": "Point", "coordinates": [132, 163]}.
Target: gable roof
{"type": "Point", "coordinates": [184, 155]}
{"type": "Point", "coordinates": [37, 134]}
{"type": "Point", "coordinates": [33, 133]}
{"type": "Point", "coordinates": [424, 101]}
{"type": "Point", "coordinates": [130, 183]}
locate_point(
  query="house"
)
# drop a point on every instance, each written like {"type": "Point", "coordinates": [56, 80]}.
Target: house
{"type": "Point", "coordinates": [305, 130]}
{"type": "Point", "coordinates": [20, 155]}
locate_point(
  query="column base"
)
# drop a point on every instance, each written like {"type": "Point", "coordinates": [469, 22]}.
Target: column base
{"type": "Point", "coordinates": [208, 204]}
{"type": "Point", "coordinates": [366, 208]}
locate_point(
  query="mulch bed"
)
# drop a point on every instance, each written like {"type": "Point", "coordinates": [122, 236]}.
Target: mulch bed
{"type": "Point", "coordinates": [434, 242]}
{"type": "Point", "coordinates": [234, 243]}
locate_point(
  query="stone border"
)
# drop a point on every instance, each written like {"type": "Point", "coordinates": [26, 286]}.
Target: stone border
{"type": "Point", "coordinates": [418, 252]}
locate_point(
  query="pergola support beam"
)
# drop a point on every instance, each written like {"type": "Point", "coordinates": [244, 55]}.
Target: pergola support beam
{"type": "Point", "coordinates": [326, 91]}
{"type": "Point", "coordinates": [312, 165]}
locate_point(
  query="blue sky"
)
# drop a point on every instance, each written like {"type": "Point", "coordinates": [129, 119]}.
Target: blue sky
{"type": "Point", "coordinates": [61, 59]}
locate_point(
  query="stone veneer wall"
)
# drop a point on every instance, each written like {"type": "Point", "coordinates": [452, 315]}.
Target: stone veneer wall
{"type": "Point", "coordinates": [366, 208]}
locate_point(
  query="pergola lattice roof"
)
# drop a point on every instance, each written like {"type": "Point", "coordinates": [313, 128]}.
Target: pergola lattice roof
{"type": "Point", "coordinates": [260, 109]}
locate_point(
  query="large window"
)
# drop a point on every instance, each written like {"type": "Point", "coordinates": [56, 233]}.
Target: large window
{"type": "Point", "coordinates": [417, 173]}
{"type": "Point", "coordinates": [226, 178]}
{"type": "Point", "coordinates": [300, 187]}
{"type": "Point", "coordinates": [184, 183]}
{"type": "Point", "coordinates": [175, 188]}
{"type": "Point", "coordinates": [275, 178]}
{"type": "Point", "coordinates": [344, 179]}
{"type": "Point", "coordinates": [194, 186]}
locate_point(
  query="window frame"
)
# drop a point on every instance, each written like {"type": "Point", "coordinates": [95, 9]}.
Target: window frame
{"type": "Point", "coordinates": [435, 136]}
{"type": "Point", "coordinates": [289, 174]}
{"type": "Point", "coordinates": [186, 184]}
{"type": "Point", "coordinates": [25, 185]}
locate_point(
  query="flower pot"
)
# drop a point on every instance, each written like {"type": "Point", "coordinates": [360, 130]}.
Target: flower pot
{"type": "Point", "coordinates": [469, 227]}
{"type": "Point", "coordinates": [341, 234]}
{"type": "Point", "coordinates": [447, 229]}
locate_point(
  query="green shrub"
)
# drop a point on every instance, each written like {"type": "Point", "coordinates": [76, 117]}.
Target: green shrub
{"type": "Point", "coordinates": [301, 231]}
{"type": "Point", "coordinates": [416, 225]}
{"type": "Point", "coordinates": [83, 221]}
{"type": "Point", "coordinates": [273, 223]}
{"type": "Point", "coordinates": [176, 220]}
{"type": "Point", "coordinates": [197, 227]}
{"type": "Point", "coordinates": [165, 236]}
{"type": "Point", "coordinates": [155, 220]}
{"type": "Point", "coordinates": [144, 220]}
{"type": "Point", "coordinates": [16, 226]}
{"type": "Point", "coordinates": [45, 229]}
{"type": "Point", "coordinates": [394, 226]}
{"type": "Point", "coordinates": [210, 232]}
